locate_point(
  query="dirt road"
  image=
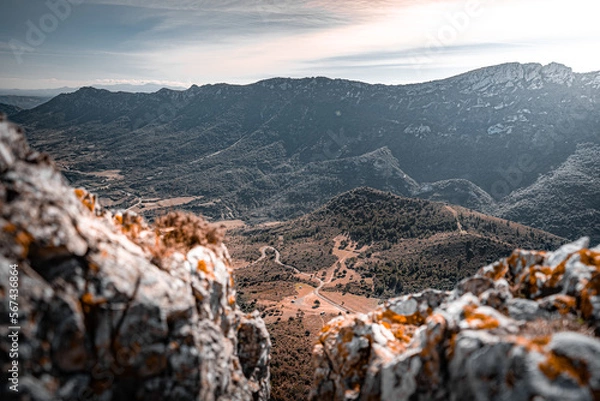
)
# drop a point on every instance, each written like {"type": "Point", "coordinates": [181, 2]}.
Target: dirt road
{"type": "Point", "coordinates": [263, 255]}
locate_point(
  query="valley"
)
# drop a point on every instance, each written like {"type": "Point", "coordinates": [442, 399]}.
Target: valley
{"type": "Point", "coordinates": [337, 195]}
{"type": "Point", "coordinates": [295, 307]}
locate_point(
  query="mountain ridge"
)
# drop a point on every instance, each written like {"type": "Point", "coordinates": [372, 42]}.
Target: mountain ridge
{"type": "Point", "coordinates": [257, 145]}
{"type": "Point", "coordinates": [396, 228]}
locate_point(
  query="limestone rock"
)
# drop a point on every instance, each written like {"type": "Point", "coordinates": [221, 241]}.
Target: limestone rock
{"type": "Point", "coordinates": [523, 328]}
{"type": "Point", "coordinates": [111, 308]}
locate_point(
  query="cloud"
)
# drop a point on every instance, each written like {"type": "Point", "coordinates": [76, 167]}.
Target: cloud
{"type": "Point", "coordinates": [373, 58]}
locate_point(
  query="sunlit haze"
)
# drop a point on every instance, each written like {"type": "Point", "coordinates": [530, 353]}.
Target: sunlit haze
{"type": "Point", "coordinates": [55, 43]}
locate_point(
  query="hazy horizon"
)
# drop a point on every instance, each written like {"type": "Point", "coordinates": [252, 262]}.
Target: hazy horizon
{"type": "Point", "coordinates": [152, 86]}
{"type": "Point", "coordinates": [74, 43]}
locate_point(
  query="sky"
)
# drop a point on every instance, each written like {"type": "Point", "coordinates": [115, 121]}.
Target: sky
{"type": "Point", "coordinates": [56, 43]}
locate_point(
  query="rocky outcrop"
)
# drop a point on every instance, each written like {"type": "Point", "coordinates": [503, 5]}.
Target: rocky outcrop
{"type": "Point", "coordinates": [111, 308]}
{"type": "Point", "coordinates": [533, 76]}
{"type": "Point", "coordinates": [524, 328]}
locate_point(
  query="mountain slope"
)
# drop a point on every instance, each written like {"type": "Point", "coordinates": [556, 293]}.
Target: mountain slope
{"type": "Point", "coordinates": [565, 201]}
{"type": "Point", "coordinates": [459, 192]}
{"type": "Point", "coordinates": [411, 242]}
{"type": "Point", "coordinates": [9, 109]}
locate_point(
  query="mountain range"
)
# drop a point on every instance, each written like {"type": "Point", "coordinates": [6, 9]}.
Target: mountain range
{"type": "Point", "coordinates": [51, 92]}
{"type": "Point", "coordinates": [512, 140]}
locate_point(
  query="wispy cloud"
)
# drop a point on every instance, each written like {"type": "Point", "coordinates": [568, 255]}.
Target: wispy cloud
{"type": "Point", "coordinates": [408, 54]}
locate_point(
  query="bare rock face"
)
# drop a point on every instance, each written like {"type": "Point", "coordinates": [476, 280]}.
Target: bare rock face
{"type": "Point", "coordinates": [111, 308]}
{"type": "Point", "coordinates": [524, 328]}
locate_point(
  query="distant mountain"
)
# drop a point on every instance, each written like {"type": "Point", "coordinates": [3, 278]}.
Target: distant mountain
{"type": "Point", "coordinates": [281, 147]}
{"type": "Point", "coordinates": [23, 102]}
{"type": "Point", "coordinates": [144, 88]}
{"type": "Point", "coordinates": [49, 93]}
{"type": "Point", "coordinates": [9, 109]}
{"type": "Point", "coordinates": [459, 192]}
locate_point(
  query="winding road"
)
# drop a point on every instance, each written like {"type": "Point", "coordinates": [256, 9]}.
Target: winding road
{"type": "Point", "coordinates": [263, 255]}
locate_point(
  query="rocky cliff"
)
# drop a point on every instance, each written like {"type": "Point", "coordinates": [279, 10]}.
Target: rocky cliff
{"type": "Point", "coordinates": [111, 308]}
{"type": "Point", "coordinates": [524, 328]}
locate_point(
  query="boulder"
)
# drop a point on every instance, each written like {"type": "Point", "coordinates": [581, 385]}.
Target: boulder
{"type": "Point", "coordinates": [523, 328]}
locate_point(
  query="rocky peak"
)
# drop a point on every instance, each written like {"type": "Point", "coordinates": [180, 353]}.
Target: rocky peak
{"type": "Point", "coordinates": [90, 91]}
{"type": "Point", "coordinates": [523, 328]}
{"type": "Point", "coordinates": [490, 80]}
{"type": "Point", "coordinates": [557, 73]}
{"type": "Point", "coordinates": [111, 307]}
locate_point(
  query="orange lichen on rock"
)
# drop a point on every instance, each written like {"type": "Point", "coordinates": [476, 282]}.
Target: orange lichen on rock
{"type": "Point", "coordinates": [203, 267]}
{"type": "Point", "coordinates": [513, 259]}
{"type": "Point", "coordinates": [538, 309]}
{"type": "Point", "coordinates": [430, 355]}
{"type": "Point", "coordinates": [590, 258]}
{"type": "Point", "coordinates": [401, 332]}
{"type": "Point", "coordinates": [24, 239]}
{"type": "Point", "coordinates": [401, 326]}
{"type": "Point", "coordinates": [347, 336]}
{"type": "Point", "coordinates": [532, 280]}
{"type": "Point", "coordinates": [130, 224]}
{"type": "Point", "coordinates": [555, 275]}
{"type": "Point", "coordinates": [451, 346]}
{"type": "Point", "coordinates": [520, 260]}
{"type": "Point", "coordinates": [416, 319]}
{"type": "Point", "coordinates": [399, 346]}
{"type": "Point", "coordinates": [9, 228]}
{"type": "Point", "coordinates": [499, 271]}
{"type": "Point", "coordinates": [478, 320]}
{"type": "Point", "coordinates": [87, 298]}
{"type": "Point", "coordinates": [591, 289]}
{"type": "Point", "coordinates": [564, 304]}
{"type": "Point", "coordinates": [89, 200]}
{"type": "Point", "coordinates": [330, 329]}
{"type": "Point", "coordinates": [88, 301]}
{"type": "Point", "coordinates": [536, 344]}
{"type": "Point", "coordinates": [556, 365]}
{"type": "Point", "coordinates": [93, 267]}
